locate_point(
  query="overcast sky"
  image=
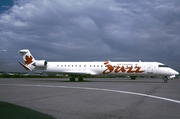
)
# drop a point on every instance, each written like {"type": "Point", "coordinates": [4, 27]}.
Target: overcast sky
{"type": "Point", "coordinates": [90, 30]}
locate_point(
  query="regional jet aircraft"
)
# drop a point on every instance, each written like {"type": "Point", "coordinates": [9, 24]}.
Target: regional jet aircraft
{"type": "Point", "coordinates": [80, 69]}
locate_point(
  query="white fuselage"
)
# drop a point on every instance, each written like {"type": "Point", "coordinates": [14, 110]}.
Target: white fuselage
{"type": "Point", "coordinates": [109, 68]}
{"type": "Point", "coordinates": [132, 69]}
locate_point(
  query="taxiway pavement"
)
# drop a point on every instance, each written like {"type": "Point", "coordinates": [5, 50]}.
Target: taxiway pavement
{"type": "Point", "coordinates": [95, 98]}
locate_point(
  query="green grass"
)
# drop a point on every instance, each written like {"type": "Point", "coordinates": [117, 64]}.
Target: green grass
{"type": "Point", "coordinates": [11, 111]}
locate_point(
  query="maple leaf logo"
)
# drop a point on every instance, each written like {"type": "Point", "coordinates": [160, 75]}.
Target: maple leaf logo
{"type": "Point", "coordinates": [28, 59]}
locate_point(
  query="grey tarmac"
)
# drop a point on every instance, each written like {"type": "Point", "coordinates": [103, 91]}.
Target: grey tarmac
{"type": "Point", "coordinates": [95, 98]}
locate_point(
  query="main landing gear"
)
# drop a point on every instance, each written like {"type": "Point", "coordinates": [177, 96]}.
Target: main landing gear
{"type": "Point", "coordinates": [73, 79]}
{"type": "Point", "coordinates": [133, 77]}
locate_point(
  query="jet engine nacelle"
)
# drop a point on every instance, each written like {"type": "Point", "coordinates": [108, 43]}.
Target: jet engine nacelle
{"type": "Point", "coordinates": [40, 63]}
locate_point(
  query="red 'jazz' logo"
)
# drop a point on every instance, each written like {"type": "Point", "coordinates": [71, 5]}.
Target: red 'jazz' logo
{"type": "Point", "coordinates": [117, 68]}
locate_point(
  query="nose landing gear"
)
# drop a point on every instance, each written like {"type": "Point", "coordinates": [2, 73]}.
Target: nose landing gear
{"type": "Point", "coordinates": [168, 78]}
{"type": "Point", "coordinates": [165, 81]}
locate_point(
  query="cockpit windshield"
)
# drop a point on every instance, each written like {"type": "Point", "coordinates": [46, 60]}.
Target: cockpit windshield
{"type": "Point", "coordinates": [162, 66]}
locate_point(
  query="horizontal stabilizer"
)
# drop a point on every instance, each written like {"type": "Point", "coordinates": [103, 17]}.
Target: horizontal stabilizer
{"type": "Point", "coordinates": [27, 68]}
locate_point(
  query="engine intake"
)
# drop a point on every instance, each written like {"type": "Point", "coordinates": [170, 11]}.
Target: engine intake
{"type": "Point", "coordinates": [40, 63]}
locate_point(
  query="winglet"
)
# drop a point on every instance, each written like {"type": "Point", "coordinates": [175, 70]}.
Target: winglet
{"type": "Point", "coordinates": [27, 68]}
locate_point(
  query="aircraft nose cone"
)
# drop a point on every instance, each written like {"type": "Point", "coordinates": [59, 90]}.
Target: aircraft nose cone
{"type": "Point", "coordinates": [176, 73]}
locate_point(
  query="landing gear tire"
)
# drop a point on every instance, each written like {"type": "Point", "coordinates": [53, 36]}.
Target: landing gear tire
{"type": "Point", "coordinates": [165, 81]}
{"type": "Point", "coordinates": [133, 77]}
{"type": "Point", "coordinates": [72, 79]}
{"type": "Point", "coordinates": [80, 79]}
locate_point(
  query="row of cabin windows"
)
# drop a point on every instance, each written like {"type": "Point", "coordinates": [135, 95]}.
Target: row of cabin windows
{"type": "Point", "coordinates": [79, 65]}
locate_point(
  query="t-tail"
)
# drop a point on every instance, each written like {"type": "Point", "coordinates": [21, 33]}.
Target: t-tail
{"type": "Point", "coordinates": [28, 59]}
{"type": "Point", "coordinates": [30, 62]}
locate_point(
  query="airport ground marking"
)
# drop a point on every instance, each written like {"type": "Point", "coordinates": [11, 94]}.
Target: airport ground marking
{"type": "Point", "coordinates": [96, 89]}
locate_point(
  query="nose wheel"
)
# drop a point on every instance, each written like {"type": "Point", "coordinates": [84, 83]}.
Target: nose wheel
{"type": "Point", "coordinates": [165, 79]}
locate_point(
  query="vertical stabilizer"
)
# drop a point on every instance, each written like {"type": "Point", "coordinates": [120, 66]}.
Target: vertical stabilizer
{"type": "Point", "coordinates": [28, 59]}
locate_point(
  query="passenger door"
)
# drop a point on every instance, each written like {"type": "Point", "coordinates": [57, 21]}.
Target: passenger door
{"type": "Point", "coordinates": [150, 69]}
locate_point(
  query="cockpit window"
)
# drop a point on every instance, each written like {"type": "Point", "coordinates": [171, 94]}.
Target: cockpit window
{"type": "Point", "coordinates": [162, 66]}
